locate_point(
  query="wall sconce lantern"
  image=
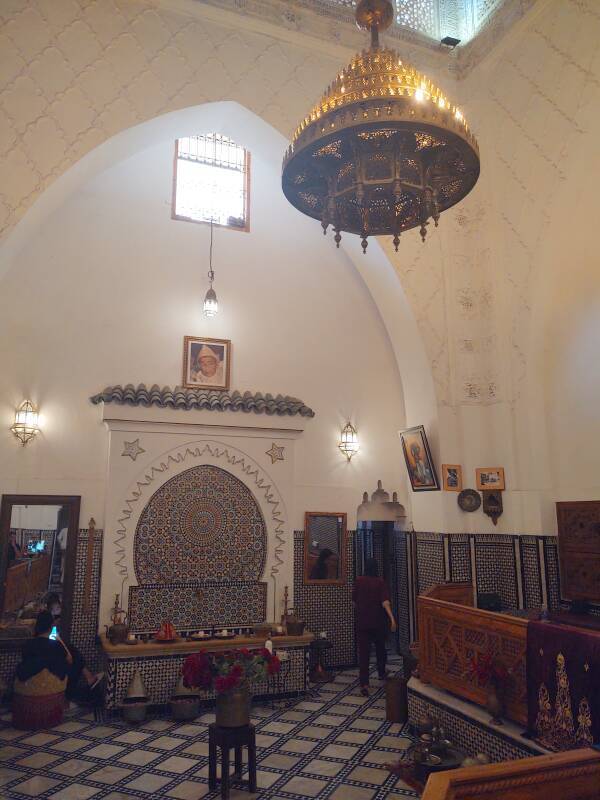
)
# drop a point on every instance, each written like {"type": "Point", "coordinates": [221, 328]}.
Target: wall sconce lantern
{"type": "Point", "coordinates": [26, 422]}
{"type": "Point", "coordinates": [349, 444]}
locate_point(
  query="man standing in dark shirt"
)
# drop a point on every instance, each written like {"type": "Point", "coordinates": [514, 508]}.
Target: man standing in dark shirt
{"type": "Point", "coordinates": [373, 610]}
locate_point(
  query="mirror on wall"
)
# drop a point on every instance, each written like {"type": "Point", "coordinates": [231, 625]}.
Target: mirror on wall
{"type": "Point", "coordinates": [324, 548]}
{"type": "Point", "coordinates": [38, 539]}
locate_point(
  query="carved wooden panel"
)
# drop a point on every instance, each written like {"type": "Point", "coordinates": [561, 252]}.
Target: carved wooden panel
{"type": "Point", "coordinates": [579, 549]}
{"type": "Point", "coordinates": [574, 774]}
{"type": "Point", "coordinates": [451, 635]}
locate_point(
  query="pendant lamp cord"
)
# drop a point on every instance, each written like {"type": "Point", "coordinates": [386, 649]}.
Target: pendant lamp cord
{"type": "Point", "coordinates": [211, 274]}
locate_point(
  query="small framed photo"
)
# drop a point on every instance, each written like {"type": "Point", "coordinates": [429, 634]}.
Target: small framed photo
{"type": "Point", "coordinates": [419, 463]}
{"type": "Point", "coordinates": [452, 477]}
{"type": "Point", "coordinates": [490, 478]}
{"type": "Point", "coordinates": [206, 363]}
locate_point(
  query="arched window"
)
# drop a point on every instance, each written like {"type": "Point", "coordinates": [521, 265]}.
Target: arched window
{"type": "Point", "coordinates": [211, 181]}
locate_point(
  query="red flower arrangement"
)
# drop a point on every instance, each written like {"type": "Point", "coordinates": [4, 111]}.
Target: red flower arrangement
{"type": "Point", "coordinates": [487, 669]}
{"type": "Point", "coordinates": [230, 670]}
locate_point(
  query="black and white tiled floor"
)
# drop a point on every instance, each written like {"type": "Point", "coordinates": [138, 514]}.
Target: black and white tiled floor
{"type": "Point", "coordinates": [332, 744]}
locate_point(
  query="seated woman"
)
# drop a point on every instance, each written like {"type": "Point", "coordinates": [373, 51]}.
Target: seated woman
{"type": "Point", "coordinates": [42, 653]}
{"type": "Point", "coordinates": [77, 666]}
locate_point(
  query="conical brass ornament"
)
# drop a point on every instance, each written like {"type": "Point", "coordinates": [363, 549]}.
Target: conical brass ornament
{"type": "Point", "coordinates": [137, 690]}
{"type": "Point", "coordinates": [384, 150]}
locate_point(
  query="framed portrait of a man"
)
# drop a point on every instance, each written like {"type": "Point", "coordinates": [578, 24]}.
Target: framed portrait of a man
{"type": "Point", "coordinates": [419, 463]}
{"type": "Point", "coordinates": [206, 363]}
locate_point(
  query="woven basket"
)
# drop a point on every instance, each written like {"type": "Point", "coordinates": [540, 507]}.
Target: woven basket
{"type": "Point", "coordinates": [39, 702]}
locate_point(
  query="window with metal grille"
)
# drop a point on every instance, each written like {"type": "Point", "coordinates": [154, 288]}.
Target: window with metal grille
{"type": "Point", "coordinates": [211, 181]}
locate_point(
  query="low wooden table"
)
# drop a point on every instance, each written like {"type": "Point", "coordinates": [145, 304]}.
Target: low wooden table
{"type": "Point", "coordinates": [160, 663]}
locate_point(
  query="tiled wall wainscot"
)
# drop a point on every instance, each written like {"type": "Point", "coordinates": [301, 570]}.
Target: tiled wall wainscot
{"type": "Point", "coordinates": [160, 675]}
{"type": "Point", "coordinates": [496, 568]}
{"type": "Point", "coordinates": [9, 658]}
{"type": "Point", "coordinates": [402, 589]}
{"type": "Point", "coordinates": [467, 725]}
{"type": "Point", "coordinates": [193, 605]}
{"type": "Point", "coordinates": [429, 549]}
{"type": "Point", "coordinates": [327, 608]}
{"type": "Point", "coordinates": [520, 568]}
{"type": "Point", "coordinates": [86, 596]}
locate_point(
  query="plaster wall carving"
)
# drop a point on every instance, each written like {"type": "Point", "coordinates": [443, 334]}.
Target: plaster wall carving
{"type": "Point", "coordinates": [533, 106]}
{"type": "Point", "coordinates": [78, 72]}
{"type": "Point", "coordinates": [538, 118]}
{"type": "Point", "coordinates": [477, 284]}
{"type": "Point", "coordinates": [474, 287]}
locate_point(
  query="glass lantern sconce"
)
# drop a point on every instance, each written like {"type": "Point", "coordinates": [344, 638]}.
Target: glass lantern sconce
{"type": "Point", "coordinates": [349, 441]}
{"type": "Point", "coordinates": [26, 424]}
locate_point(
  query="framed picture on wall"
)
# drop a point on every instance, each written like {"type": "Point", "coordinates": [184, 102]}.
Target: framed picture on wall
{"type": "Point", "coordinates": [490, 478]}
{"type": "Point", "coordinates": [325, 548]}
{"type": "Point", "coordinates": [452, 477]}
{"type": "Point", "coordinates": [419, 463]}
{"type": "Point", "coordinates": [206, 363]}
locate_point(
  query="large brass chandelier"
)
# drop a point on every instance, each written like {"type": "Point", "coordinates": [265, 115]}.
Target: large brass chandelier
{"type": "Point", "coordinates": [384, 150]}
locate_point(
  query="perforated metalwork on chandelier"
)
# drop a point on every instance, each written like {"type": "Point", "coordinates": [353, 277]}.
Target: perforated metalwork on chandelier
{"type": "Point", "coordinates": [384, 150]}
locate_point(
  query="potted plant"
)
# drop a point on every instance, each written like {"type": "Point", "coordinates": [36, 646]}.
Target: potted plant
{"type": "Point", "coordinates": [229, 675]}
{"type": "Point", "coordinates": [490, 672]}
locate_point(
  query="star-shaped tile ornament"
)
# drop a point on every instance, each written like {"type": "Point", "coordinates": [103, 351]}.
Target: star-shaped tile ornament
{"type": "Point", "coordinates": [276, 453]}
{"type": "Point", "coordinates": [132, 449]}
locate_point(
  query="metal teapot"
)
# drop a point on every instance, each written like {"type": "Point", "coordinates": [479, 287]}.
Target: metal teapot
{"type": "Point", "coordinates": [118, 632]}
{"type": "Point", "coordinates": [294, 625]}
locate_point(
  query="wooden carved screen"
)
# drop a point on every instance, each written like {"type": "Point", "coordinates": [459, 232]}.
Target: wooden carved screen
{"type": "Point", "coordinates": [579, 549]}
{"type": "Point", "coordinates": [452, 635]}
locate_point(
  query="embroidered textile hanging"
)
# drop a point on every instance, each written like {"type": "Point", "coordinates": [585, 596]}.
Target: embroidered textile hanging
{"type": "Point", "coordinates": [563, 685]}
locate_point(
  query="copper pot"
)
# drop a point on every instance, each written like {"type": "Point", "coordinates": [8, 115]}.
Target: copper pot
{"type": "Point", "coordinates": [185, 708]}
{"type": "Point", "coordinates": [233, 709]}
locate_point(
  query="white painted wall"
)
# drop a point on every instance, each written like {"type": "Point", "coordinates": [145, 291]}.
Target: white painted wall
{"type": "Point", "coordinates": [41, 518]}
{"type": "Point", "coordinates": [511, 271]}
{"type": "Point", "coordinates": [536, 105]}
{"type": "Point", "coordinates": [105, 288]}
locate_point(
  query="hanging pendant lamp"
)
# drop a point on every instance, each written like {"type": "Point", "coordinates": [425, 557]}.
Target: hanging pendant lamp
{"type": "Point", "coordinates": [211, 305]}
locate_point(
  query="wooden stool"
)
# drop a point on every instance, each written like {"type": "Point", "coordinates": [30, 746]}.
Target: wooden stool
{"type": "Point", "coordinates": [226, 738]}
